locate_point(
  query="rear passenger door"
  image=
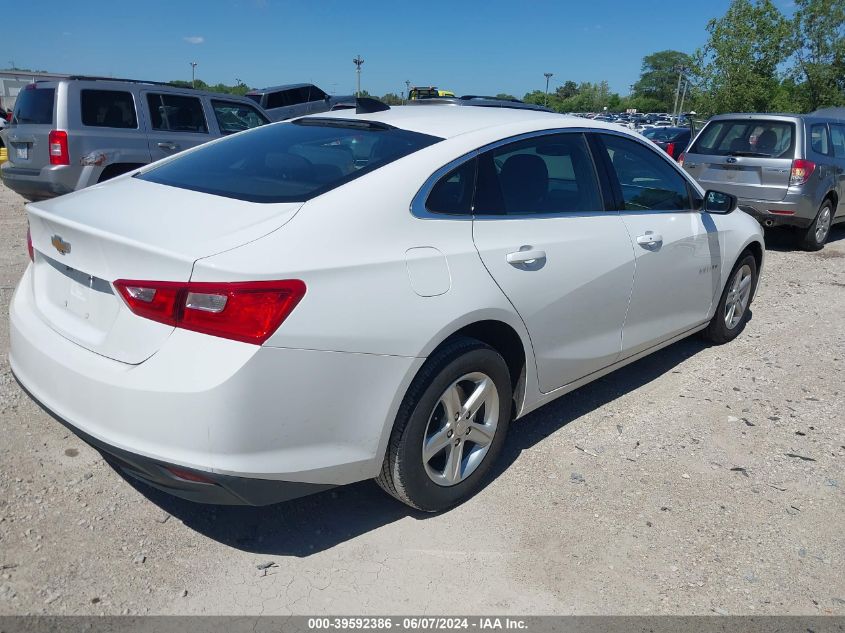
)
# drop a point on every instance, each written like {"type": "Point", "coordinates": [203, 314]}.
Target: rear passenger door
{"type": "Point", "coordinates": [110, 124]}
{"type": "Point", "coordinates": [176, 122]}
{"type": "Point", "coordinates": [678, 252]}
{"type": "Point", "coordinates": [564, 262]}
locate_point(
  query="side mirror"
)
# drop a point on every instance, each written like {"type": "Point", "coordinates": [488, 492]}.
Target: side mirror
{"type": "Point", "coordinates": [719, 202]}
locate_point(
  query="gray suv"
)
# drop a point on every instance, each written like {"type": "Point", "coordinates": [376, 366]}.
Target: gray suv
{"type": "Point", "coordinates": [786, 170]}
{"type": "Point", "coordinates": [69, 134]}
{"type": "Point", "coordinates": [292, 100]}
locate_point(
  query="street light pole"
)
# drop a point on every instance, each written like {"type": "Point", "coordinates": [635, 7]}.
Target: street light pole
{"type": "Point", "coordinates": [546, 98]}
{"type": "Point", "coordinates": [680, 70]}
{"type": "Point", "coordinates": [193, 74]}
{"type": "Point", "coordinates": [407, 89]}
{"type": "Point", "coordinates": [358, 61]}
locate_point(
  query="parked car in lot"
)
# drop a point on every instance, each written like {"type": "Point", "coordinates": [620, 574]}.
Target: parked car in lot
{"type": "Point", "coordinates": [267, 317]}
{"type": "Point", "coordinates": [479, 101]}
{"type": "Point", "coordinates": [293, 100]}
{"type": "Point", "coordinates": [672, 140]}
{"type": "Point", "coordinates": [786, 170]}
{"type": "Point", "coordinates": [69, 134]}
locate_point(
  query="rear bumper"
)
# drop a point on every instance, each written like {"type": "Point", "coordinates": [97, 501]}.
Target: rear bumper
{"type": "Point", "coordinates": [226, 409]}
{"type": "Point", "coordinates": [33, 184]}
{"type": "Point", "coordinates": [215, 489]}
{"type": "Point", "coordinates": [794, 210]}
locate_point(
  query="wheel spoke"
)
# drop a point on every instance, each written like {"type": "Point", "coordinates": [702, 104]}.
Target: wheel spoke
{"type": "Point", "coordinates": [477, 398]}
{"type": "Point", "coordinates": [480, 434]}
{"type": "Point", "coordinates": [745, 283]}
{"type": "Point", "coordinates": [452, 473]}
{"type": "Point", "coordinates": [729, 317]}
{"type": "Point", "coordinates": [451, 401]}
{"type": "Point", "coordinates": [435, 444]}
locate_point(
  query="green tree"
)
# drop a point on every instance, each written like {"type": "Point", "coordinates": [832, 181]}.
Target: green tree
{"type": "Point", "coordinates": [567, 90]}
{"type": "Point", "coordinates": [503, 95]}
{"type": "Point", "coordinates": [392, 98]}
{"type": "Point", "coordinates": [819, 39]}
{"type": "Point", "coordinates": [738, 66]}
{"type": "Point", "coordinates": [658, 80]}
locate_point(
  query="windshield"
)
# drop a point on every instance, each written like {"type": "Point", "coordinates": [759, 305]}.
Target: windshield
{"type": "Point", "coordinates": [289, 162]}
{"type": "Point", "coordinates": [34, 105]}
{"type": "Point", "coordinates": [756, 137]}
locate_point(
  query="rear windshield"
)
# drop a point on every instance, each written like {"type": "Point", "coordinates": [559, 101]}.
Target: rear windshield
{"type": "Point", "coordinates": [289, 162]}
{"type": "Point", "coordinates": [757, 137]}
{"type": "Point", "coordinates": [664, 134]}
{"type": "Point", "coordinates": [34, 105]}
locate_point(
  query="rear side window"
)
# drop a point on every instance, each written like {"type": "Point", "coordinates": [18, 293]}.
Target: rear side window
{"type": "Point", "coordinates": [666, 135]}
{"type": "Point", "coordinates": [35, 106]}
{"type": "Point", "coordinates": [548, 174]}
{"type": "Point", "coordinates": [108, 108]}
{"type": "Point", "coordinates": [755, 137]}
{"type": "Point", "coordinates": [453, 193]}
{"type": "Point", "coordinates": [288, 162]}
{"type": "Point", "coordinates": [648, 181]}
{"type": "Point", "coordinates": [279, 99]}
{"type": "Point", "coordinates": [837, 138]}
{"type": "Point", "coordinates": [236, 117]}
{"type": "Point", "coordinates": [176, 113]}
{"type": "Point", "coordinates": [819, 142]}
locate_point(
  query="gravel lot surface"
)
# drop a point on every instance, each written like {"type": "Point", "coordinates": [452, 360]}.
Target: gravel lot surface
{"type": "Point", "coordinates": [699, 480]}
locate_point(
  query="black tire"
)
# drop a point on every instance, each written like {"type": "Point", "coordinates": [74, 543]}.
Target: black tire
{"type": "Point", "coordinates": [811, 238]}
{"type": "Point", "coordinates": [403, 473]}
{"type": "Point", "coordinates": [717, 331]}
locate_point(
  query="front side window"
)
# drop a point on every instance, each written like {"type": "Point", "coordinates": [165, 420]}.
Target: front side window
{"type": "Point", "coordinates": [288, 162]}
{"type": "Point", "coordinates": [176, 113]}
{"type": "Point", "coordinates": [547, 174]}
{"type": "Point", "coordinates": [278, 99]}
{"type": "Point", "coordinates": [236, 117]}
{"type": "Point", "coordinates": [647, 180]}
{"type": "Point", "coordinates": [818, 138]}
{"type": "Point", "coordinates": [837, 138]}
{"type": "Point", "coordinates": [754, 137]}
{"type": "Point", "coordinates": [108, 108]}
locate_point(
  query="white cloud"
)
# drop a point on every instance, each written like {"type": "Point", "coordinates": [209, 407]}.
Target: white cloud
{"type": "Point", "coordinates": [194, 39]}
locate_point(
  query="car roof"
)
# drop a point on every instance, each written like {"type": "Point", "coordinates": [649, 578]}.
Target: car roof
{"type": "Point", "coordinates": [447, 122]}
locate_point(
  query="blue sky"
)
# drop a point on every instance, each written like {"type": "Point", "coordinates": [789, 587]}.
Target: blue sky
{"type": "Point", "coordinates": [466, 46]}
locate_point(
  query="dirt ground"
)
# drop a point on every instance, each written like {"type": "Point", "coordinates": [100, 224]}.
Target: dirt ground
{"type": "Point", "coordinates": [699, 480]}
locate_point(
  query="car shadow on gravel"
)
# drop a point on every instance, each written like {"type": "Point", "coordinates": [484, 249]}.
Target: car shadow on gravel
{"type": "Point", "coordinates": [305, 526]}
{"type": "Point", "coordinates": [783, 239]}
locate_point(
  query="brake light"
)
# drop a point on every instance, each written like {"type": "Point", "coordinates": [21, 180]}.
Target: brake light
{"type": "Point", "coordinates": [682, 158]}
{"type": "Point", "coordinates": [58, 148]}
{"type": "Point", "coordinates": [29, 248]}
{"type": "Point", "coordinates": [670, 149]}
{"type": "Point", "coordinates": [801, 171]}
{"type": "Point", "coordinates": [247, 311]}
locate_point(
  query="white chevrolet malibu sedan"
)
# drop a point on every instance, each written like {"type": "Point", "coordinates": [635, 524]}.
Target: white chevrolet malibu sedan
{"type": "Point", "coordinates": [370, 293]}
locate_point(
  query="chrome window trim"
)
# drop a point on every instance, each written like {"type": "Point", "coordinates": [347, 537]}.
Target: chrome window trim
{"type": "Point", "coordinates": [419, 210]}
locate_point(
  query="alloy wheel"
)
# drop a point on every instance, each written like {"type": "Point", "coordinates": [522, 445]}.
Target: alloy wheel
{"type": "Point", "coordinates": [739, 294]}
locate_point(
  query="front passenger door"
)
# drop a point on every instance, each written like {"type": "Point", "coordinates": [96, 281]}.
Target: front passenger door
{"type": "Point", "coordinates": [564, 262]}
{"type": "Point", "coordinates": [677, 248]}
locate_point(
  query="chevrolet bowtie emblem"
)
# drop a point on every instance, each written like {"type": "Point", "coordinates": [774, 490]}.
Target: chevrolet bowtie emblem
{"type": "Point", "coordinates": [60, 245]}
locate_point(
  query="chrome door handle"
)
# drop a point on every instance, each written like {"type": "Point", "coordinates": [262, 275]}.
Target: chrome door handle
{"type": "Point", "coordinates": [168, 145]}
{"type": "Point", "coordinates": [525, 257]}
{"type": "Point", "coordinates": [650, 239]}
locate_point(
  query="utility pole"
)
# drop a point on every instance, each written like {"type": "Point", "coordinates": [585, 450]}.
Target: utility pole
{"type": "Point", "coordinates": [407, 89]}
{"type": "Point", "coordinates": [358, 61]}
{"type": "Point", "coordinates": [546, 98]}
{"type": "Point", "coordinates": [193, 74]}
{"type": "Point", "coordinates": [680, 70]}
{"type": "Point", "coordinates": [683, 96]}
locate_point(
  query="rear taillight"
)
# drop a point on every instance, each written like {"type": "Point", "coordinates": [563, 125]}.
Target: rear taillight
{"type": "Point", "coordinates": [247, 311]}
{"type": "Point", "coordinates": [58, 148]}
{"type": "Point", "coordinates": [670, 149]}
{"type": "Point", "coordinates": [682, 158]}
{"type": "Point", "coordinates": [801, 171]}
{"type": "Point", "coordinates": [29, 248]}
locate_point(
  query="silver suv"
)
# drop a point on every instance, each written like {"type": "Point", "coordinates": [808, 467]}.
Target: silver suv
{"type": "Point", "coordinates": [786, 170]}
{"type": "Point", "coordinates": [292, 100]}
{"type": "Point", "coordinates": [69, 134]}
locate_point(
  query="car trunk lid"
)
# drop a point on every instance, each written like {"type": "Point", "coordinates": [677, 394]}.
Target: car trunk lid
{"type": "Point", "coordinates": [129, 229]}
